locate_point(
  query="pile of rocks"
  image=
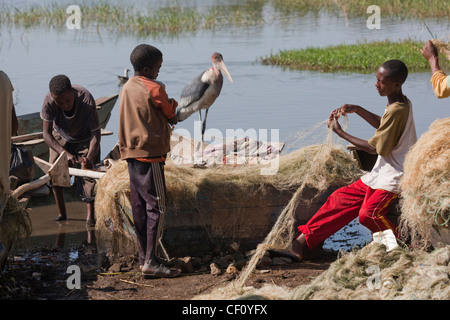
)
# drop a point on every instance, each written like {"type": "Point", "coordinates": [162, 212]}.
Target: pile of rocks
{"type": "Point", "coordinates": [229, 259]}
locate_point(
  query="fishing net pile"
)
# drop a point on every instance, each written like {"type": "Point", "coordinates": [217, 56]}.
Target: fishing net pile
{"type": "Point", "coordinates": [15, 223]}
{"type": "Point", "coordinates": [111, 199]}
{"type": "Point", "coordinates": [425, 200]}
{"type": "Point", "coordinates": [317, 166]}
{"type": "Point", "coordinates": [367, 274]}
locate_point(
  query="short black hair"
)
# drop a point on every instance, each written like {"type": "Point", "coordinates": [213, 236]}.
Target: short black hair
{"type": "Point", "coordinates": [397, 70]}
{"type": "Point", "coordinates": [59, 84]}
{"type": "Point", "coordinates": [144, 55]}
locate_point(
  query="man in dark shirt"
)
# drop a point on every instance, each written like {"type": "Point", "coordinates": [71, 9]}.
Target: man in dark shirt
{"type": "Point", "coordinates": [70, 123]}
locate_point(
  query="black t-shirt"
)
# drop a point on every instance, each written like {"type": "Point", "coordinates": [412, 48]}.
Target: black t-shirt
{"type": "Point", "coordinates": [77, 127]}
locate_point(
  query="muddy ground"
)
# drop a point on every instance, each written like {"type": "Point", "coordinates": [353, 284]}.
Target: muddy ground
{"type": "Point", "coordinates": [40, 268]}
{"type": "Point", "coordinates": [45, 275]}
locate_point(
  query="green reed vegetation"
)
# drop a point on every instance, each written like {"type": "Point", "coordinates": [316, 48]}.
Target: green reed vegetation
{"type": "Point", "coordinates": [172, 20]}
{"type": "Point", "coordinates": [175, 19]}
{"type": "Point", "coordinates": [361, 57]}
{"type": "Point", "coordinates": [128, 19]}
{"type": "Point", "coordinates": [401, 8]}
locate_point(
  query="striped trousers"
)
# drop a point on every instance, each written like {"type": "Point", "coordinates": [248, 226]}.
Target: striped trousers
{"type": "Point", "coordinates": [148, 202]}
{"type": "Point", "coordinates": [343, 206]}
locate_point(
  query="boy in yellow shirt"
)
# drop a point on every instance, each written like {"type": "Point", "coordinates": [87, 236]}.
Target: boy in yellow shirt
{"type": "Point", "coordinates": [368, 198]}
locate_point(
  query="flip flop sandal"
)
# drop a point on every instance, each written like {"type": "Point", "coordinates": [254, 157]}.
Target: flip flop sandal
{"type": "Point", "coordinates": [161, 272]}
{"type": "Point", "coordinates": [285, 254]}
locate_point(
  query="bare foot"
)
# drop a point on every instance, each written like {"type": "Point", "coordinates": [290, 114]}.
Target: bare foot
{"type": "Point", "coordinates": [90, 219]}
{"type": "Point", "coordinates": [298, 246]}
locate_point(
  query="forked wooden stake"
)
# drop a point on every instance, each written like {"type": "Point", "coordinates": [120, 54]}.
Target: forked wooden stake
{"type": "Point", "coordinates": [58, 174]}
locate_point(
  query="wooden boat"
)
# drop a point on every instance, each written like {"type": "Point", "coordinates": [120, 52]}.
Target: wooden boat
{"type": "Point", "coordinates": [196, 230]}
{"type": "Point", "coordinates": [30, 135]}
{"type": "Point", "coordinates": [365, 160]}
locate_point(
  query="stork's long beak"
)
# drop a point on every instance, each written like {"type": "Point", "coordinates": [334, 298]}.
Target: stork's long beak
{"type": "Point", "coordinates": [222, 67]}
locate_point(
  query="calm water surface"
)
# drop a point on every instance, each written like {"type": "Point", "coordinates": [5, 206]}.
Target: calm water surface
{"type": "Point", "coordinates": [262, 97]}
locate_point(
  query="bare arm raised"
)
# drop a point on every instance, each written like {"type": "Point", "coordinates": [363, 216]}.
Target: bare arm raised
{"type": "Point", "coordinates": [360, 143]}
{"type": "Point", "coordinates": [371, 118]}
{"type": "Point", "coordinates": [430, 53]}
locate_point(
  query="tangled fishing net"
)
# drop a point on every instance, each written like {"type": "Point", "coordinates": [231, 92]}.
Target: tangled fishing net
{"type": "Point", "coordinates": [442, 48]}
{"type": "Point", "coordinates": [113, 224]}
{"type": "Point", "coordinates": [425, 199]}
{"type": "Point", "coordinates": [372, 272]}
{"type": "Point", "coordinates": [15, 223]}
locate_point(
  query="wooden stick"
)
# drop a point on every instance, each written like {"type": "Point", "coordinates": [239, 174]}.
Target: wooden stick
{"type": "Point", "coordinates": [31, 185]}
{"type": "Point", "coordinates": [86, 173]}
{"type": "Point", "coordinates": [27, 137]}
{"type": "Point", "coordinates": [45, 166]}
{"type": "Point", "coordinates": [137, 283]}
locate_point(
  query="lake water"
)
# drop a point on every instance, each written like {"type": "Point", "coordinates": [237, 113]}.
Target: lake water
{"type": "Point", "coordinates": [262, 97]}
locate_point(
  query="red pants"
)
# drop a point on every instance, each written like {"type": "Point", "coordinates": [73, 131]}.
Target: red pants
{"type": "Point", "coordinates": [343, 206]}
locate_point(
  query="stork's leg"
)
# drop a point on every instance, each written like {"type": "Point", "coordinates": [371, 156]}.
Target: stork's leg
{"type": "Point", "coordinates": [204, 124]}
{"type": "Point", "coordinates": [200, 118]}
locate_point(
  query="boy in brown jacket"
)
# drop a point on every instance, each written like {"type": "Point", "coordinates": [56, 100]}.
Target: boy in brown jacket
{"type": "Point", "coordinates": [144, 137]}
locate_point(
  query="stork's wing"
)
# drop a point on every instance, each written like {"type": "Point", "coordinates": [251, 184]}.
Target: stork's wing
{"type": "Point", "coordinates": [193, 91]}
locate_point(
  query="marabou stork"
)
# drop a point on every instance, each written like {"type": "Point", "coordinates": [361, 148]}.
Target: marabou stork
{"type": "Point", "coordinates": [202, 91]}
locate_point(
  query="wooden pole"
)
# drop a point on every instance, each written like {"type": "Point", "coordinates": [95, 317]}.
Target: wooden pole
{"type": "Point", "coordinates": [86, 173]}
{"type": "Point", "coordinates": [58, 174]}
{"type": "Point", "coordinates": [45, 166]}
{"type": "Point", "coordinates": [31, 186]}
